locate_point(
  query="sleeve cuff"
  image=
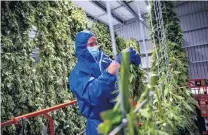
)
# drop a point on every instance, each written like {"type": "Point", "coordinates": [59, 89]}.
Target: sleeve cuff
{"type": "Point", "coordinates": [109, 75]}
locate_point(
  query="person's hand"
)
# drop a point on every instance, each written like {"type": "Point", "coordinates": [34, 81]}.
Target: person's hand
{"type": "Point", "coordinates": [134, 57]}
{"type": "Point", "coordinates": [113, 67]}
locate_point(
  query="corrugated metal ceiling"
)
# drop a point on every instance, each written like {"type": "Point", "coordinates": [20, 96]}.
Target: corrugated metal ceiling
{"type": "Point", "coordinates": [97, 9]}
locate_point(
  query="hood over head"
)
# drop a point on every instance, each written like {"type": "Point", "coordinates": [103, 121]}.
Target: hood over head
{"type": "Point", "coordinates": [81, 44]}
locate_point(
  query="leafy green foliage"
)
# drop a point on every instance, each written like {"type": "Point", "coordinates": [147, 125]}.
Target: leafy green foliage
{"type": "Point", "coordinates": [124, 76]}
{"type": "Point", "coordinates": [28, 86]}
{"type": "Point", "coordinates": [173, 105]}
{"type": "Point", "coordinates": [112, 118]}
{"type": "Point", "coordinates": [137, 75]}
{"type": "Point", "coordinates": [102, 34]}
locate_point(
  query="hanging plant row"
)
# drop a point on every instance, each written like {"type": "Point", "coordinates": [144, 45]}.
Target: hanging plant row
{"type": "Point", "coordinates": [137, 75]}
{"type": "Point", "coordinates": [173, 105]}
{"type": "Point", "coordinates": [30, 84]}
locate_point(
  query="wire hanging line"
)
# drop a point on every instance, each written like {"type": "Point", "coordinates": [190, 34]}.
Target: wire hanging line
{"type": "Point", "coordinates": [154, 43]}
{"type": "Point", "coordinates": [118, 128]}
{"type": "Point", "coordinates": [158, 68]}
{"type": "Point", "coordinates": [115, 53]}
{"type": "Point", "coordinates": [161, 37]}
{"type": "Point", "coordinates": [163, 51]}
{"type": "Point", "coordinates": [124, 120]}
{"type": "Point", "coordinates": [143, 40]}
{"type": "Point", "coordinates": [162, 45]}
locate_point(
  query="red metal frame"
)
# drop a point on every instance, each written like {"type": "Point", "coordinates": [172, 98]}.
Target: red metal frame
{"type": "Point", "coordinates": [43, 112]}
{"type": "Point", "coordinates": [191, 83]}
{"type": "Point", "coordinates": [199, 89]}
{"type": "Point", "coordinates": [51, 123]}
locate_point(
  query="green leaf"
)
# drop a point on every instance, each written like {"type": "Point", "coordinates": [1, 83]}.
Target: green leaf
{"type": "Point", "coordinates": [124, 77]}
{"type": "Point", "coordinates": [145, 112]}
{"type": "Point", "coordinates": [112, 115]}
{"type": "Point", "coordinates": [105, 127]}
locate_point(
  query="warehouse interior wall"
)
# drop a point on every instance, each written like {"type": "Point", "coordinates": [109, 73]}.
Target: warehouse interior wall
{"type": "Point", "coordinates": [133, 30]}
{"type": "Point", "coordinates": [193, 16]}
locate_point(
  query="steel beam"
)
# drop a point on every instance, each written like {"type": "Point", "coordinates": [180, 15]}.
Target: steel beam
{"type": "Point", "coordinates": [195, 62]}
{"type": "Point", "coordinates": [200, 10]}
{"type": "Point", "coordinates": [130, 9]}
{"type": "Point", "coordinates": [93, 18]}
{"type": "Point", "coordinates": [115, 8]}
{"type": "Point", "coordinates": [181, 3]}
{"type": "Point", "coordinates": [133, 12]}
{"type": "Point", "coordinates": [195, 29]}
{"type": "Point", "coordinates": [127, 23]}
{"type": "Point", "coordinates": [98, 4]}
{"type": "Point", "coordinates": [195, 45]}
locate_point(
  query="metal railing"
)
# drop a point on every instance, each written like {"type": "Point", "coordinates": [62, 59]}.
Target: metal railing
{"type": "Point", "coordinates": [44, 112]}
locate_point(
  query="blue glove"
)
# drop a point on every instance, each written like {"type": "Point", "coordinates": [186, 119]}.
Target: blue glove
{"type": "Point", "coordinates": [134, 57]}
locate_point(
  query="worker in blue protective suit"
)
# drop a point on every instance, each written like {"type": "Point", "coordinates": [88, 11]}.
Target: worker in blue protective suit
{"type": "Point", "coordinates": [93, 79]}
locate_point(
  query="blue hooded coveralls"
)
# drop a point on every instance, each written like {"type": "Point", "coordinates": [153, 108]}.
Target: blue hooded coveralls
{"type": "Point", "coordinates": [91, 83]}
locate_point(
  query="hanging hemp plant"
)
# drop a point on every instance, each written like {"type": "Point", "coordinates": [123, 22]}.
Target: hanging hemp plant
{"type": "Point", "coordinates": [113, 118]}
{"type": "Point", "coordinates": [119, 120]}
{"type": "Point", "coordinates": [102, 34]}
{"type": "Point", "coordinates": [37, 56]}
{"type": "Point", "coordinates": [173, 104]}
{"type": "Point", "coordinates": [137, 75]}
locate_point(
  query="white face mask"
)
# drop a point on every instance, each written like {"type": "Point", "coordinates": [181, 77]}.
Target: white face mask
{"type": "Point", "coordinates": [94, 51]}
